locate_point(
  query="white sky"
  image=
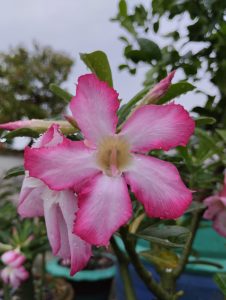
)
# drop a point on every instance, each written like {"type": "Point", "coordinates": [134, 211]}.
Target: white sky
{"type": "Point", "coordinates": [73, 26]}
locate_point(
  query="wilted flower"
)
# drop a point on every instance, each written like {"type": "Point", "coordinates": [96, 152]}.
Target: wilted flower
{"type": "Point", "coordinates": [216, 210]}
{"type": "Point", "coordinates": [100, 167]}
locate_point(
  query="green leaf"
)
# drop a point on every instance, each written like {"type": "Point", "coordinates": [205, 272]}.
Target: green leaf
{"type": "Point", "coordinates": [98, 63]}
{"type": "Point", "coordinates": [195, 206]}
{"type": "Point", "coordinates": [208, 139]}
{"type": "Point", "coordinates": [163, 242]}
{"type": "Point", "coordinates": [21, 132]}
{"type": "Point", "coordinates": [126, 108]}
{"type": "Point", "coordinates": [205, 121]}
{"type": "Point", "coordinates": [163, 258]}
{"type": "Point", "coordinates": [220, 279]}
{"type": "Point", "coordinates": [176, 90]}
{"type": "Point", "coordinates": [64, 95]}
{"type": "Point", "coordinates": [13, 172]}
{"type": "Point", "coordinates": [166, 231]}
{"type": "Point", "coordinates": [122, 8]}
{"type": "Point", "coordinates": [222, 133]}
{"type": "Point", "coordinates": [149, 49]}
{"type": "Point", "coordinates": [162, 235]}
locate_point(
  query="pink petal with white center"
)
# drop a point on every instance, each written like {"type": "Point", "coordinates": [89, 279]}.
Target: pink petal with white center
{"type": "Point", "coordinates": [51, 214]}
{"type": "Point", "coordinates": [158, 186]}
{"type": "Point", "coordinates": [158, 127]}
{"type": "Point", "coordinates": [104, 206]}
{"type": "Point", "coordinates": [50, 138]}
{"type": "Point", "coordinates": [30, 201]}
{"type": "Point", "coordinates": [94, 108]}
{"type": "Point", "coordinates": [80, 251]}
{"type": "Point", "coordinates": [63, 166]}
{"type": "Point", "coordinates": [219, 223]}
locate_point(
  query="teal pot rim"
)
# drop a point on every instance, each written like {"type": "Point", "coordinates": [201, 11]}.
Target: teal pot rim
{"type": "Point", "coordinates": [55, 269]}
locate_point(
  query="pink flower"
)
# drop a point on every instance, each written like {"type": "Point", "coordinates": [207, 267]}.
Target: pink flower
{"type": "Point", "coordinates": [159, 90]}
{"type": "Point", "coordinates": [100, 167]}
{"type": "Point", "coordinates": [216, 210]}
{"type": "Point", "coordinates": [58, 208]}
{"type": "Point", "coordinates": [14, 272]}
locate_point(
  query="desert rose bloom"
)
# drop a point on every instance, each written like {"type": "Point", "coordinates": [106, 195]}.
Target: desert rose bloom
{"type": "Point", "coordinates": [14, 272]}
{"type": "Point", "coordinates": [100, 167]}
{"type": "Point", "coordinates": [58, 208]}
{"type": "Point", "coordinates": [216, 210]}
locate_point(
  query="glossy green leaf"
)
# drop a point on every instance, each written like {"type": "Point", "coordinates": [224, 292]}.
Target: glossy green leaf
{"type": "Point", "coordinates": [176, 90]}
{"type": "Point", "coordinates": [98, 63]}
{"type": "Point", "coordinates": [13, 172]}
{"type": "Point", "coordinates": [64, 95]}
{"type": "Point", "coordinates": [220, 279]}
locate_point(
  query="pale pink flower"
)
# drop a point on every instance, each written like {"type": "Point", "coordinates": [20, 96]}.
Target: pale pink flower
{"type": "Point", "coordinates": [14, 272]}
{"type": "Point", "coordinates": [159, 90]}
{"type": "Point", "coordinates": [100, 167]}
{"type": "Point", "coordinates": [216, 210]}
{"type": "Point", "coordinates": [58, 208]}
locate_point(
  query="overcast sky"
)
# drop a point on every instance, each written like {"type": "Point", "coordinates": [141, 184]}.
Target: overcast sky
{"type": "Point", "coordinates": [72, 26]}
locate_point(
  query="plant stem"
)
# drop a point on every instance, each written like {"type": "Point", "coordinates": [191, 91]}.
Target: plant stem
{"type": "Point", "coordinates": [188, 246]}
{"type": "Point", "coordinates": [6, 292]}
{"type": "Point", "coordinates": [146, 276]}
{"type": "Point", "coordinates": [123, 266]}
{"type": "Point", "coordinates": [43, 262]}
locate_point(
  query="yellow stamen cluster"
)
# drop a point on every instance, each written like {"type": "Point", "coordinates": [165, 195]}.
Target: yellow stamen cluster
{"type": "Point", "coordinates": [113, 155]}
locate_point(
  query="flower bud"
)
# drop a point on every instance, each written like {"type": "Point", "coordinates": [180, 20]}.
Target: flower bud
{"type": "Point", "coordinates": [39, 125]}
{"type": "Point", "coordinates": [159, 90]}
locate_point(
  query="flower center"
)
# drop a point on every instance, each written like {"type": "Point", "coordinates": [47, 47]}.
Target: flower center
{"type": "Point", "coordinates": [113, 155]}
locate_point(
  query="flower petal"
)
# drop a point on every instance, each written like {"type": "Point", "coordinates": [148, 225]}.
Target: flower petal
{"type": "Point", "coordinates": [50, 138]}
{"type": "Point", "coordinates": [30, 201]}
{"type": "Point", "coordinates": [104, 206]}
{"type": "Point", "coordinates": [219, 223]}
{"type": "Point", "coordinates": [158, 127]}
{"type": "Point", "coordinates": [214, 205]}
{"type": "Point", "coordinates": [80, 251]}
{"type": "Point", "coordinates": [52, 226]}
{"type": "Point", "coordinates": [158, 186]}
{"type": "Point", "coordinates": [62, 166]}
{"type": "Point", "coordinates": [94, 108]}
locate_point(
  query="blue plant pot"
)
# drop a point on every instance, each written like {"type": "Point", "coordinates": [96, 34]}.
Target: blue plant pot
{"type": "Point", "coordinates": [88, 284]}
{"type": "Point", "coordinates": [197, 280]}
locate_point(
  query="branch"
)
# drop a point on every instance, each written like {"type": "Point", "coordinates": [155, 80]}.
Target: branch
{"type": "Point", "coordinates": [188, 246]}
{"type": "Point", "coordinates": [123, 266]}
{"type": "Point", "coordinates": [146, 276]}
